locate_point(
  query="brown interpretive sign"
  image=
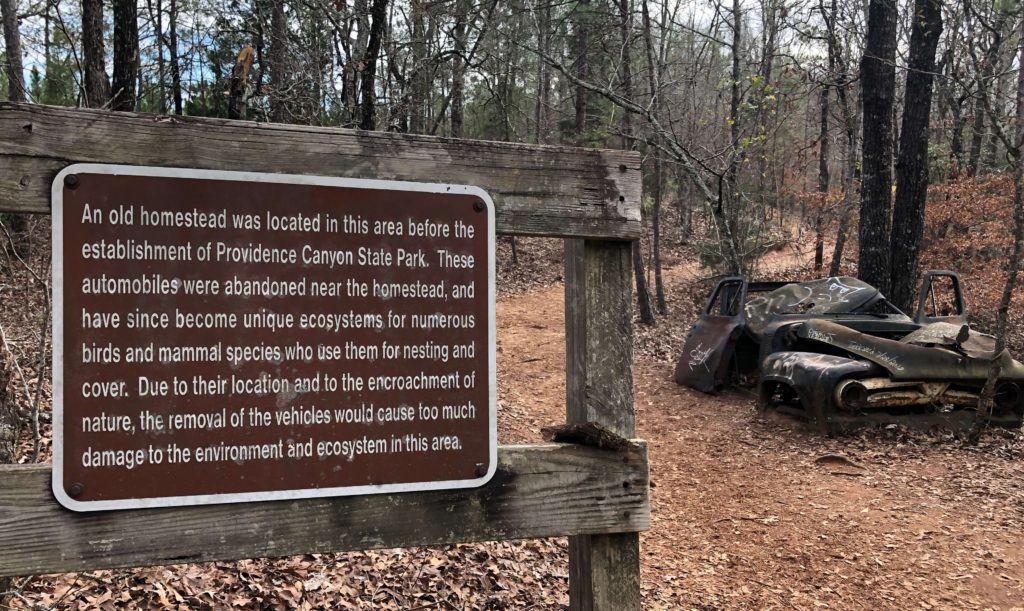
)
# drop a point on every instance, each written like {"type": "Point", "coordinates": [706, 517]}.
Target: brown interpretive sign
{"type": "Point", "coordinates": [228, 336]}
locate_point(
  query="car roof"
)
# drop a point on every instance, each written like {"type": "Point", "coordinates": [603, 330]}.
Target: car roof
{"type": "Point", "coordinates": [835, 295]}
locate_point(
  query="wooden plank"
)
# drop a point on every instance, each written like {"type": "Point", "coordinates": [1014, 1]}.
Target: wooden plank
{"type": "Point", "coordinates": [537, 190]}
{"type": "Point", "coordinates": [604, 570]}
{"type": "Point", "coordinates": [599, 334]}
{"type": "Point", "coordinates": [538, 491]}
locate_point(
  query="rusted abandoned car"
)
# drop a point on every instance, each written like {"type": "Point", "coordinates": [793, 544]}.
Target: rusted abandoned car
{"type": "Point", "coordinates": [836, 352]}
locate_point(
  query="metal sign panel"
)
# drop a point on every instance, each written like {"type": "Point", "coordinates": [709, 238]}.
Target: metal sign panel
{"type": "Point", "coordinates": [227, 336]}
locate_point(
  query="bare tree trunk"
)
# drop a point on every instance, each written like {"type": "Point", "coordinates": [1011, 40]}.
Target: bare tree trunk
{"type": "Point", "coordinates": [156, 17]}
{"type": "Point", "coordinates": [879, 69]}
{"type": "Point", "coordinates": [97, 87]}
{"type": "Point", "coordinates": [823, 183]}
{"type": "Point", "coordinates": [419, 84]}
{"type": "Point", "coordinates": [172, 59]}
{"type": "Point", "coordinates": [838, 68]}
{"type": "Point", "coordinates": [912, 165]}
{"type": "Point", "coordinates": [354, 69]}
{"type": "Point", "coordinates": [582, 44]}
{"type": "Point", "coordinates": [279, 112]}
{"type": "Point", "coordinates": [12, 47]}
{"type": "Point", "coordinates": [989, 67]}
{"type": "Point", "coordinates": [990, 161]}
{"type": "Point", "coordinates": [643, 293]}
{"type": "Point", "coordinates": [126, 55]}
{"type": "Point", "coordinates": [459, 67]}
{"type": "Point", "coordinates": [985, 402]}
{"type": "Point", "coordinates": [977, 137]}
{"type": "Point", "coordinates": [735, 97]}
{"type": "Point", "coordinates": [367, 84]}
{"type": "Point", "coordinates": [652, 81]}
{"type": "Point", "coordinates": [543, 103]}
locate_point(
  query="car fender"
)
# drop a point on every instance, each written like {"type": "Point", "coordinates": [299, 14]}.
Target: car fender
{"type": "Point", "coordinates": [813, 377]}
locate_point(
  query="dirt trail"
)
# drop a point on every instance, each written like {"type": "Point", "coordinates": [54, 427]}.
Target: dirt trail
{"type": "Point", "coordinates": [747, 512]}
{"type": "Point", "coordinates": [751, 512]}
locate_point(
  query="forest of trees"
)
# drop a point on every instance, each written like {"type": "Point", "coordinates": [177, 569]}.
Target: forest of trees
{"type": "Point", "coordinates": [750, 114]}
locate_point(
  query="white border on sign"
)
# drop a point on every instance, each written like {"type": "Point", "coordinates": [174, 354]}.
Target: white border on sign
{"type": "Point", "coordinates": [57, 199]}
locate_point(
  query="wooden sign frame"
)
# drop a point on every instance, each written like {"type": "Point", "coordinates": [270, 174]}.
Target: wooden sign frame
{"type": "Point", "coordinates": [599, 498]}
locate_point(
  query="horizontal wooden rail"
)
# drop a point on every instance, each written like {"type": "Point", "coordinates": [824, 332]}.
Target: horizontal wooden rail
{"type": "Point", "coordinates": [537, 190]}
{"type": "Point", "coordinates": [538, 491]}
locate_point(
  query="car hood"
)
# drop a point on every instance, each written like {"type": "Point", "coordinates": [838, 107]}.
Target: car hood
{"type": "Point", "coordinates": [930, 354]}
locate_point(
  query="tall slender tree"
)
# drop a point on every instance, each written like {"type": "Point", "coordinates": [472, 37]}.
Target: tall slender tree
{"type": "Point", "coordinates": [824, 179]}
{"type": "Point", "coordinates": [643, 292]}
{"type": "Point", "coordinates": [96, 84]}
{"type": "Point", "coordinates": [173, 55]}
{"type": "Point", "coordinates": [279, 63]}
{"type": "Point", "coordinates": [878, 91]}
{"type": "Point", "coordinates": [912, 163]}
{"type": "Point", "coordinates": [581, 44]}
{"type": "Point", "coordinates": [367, 84]}
{"type": "Point", "coordinates": [653, 80]}
{"type": "Point", "coordinates": [126, 55]}
{"type": "Point", "coordinates": [12, 47]}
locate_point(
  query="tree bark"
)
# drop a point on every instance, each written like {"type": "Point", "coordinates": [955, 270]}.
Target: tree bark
{"type": "Point", "coordinates": [543, 103]}
{"type": "Point", "coordinates": [367, 84]}
{"type": "Point", "coordinates": [156, 17]}
{"type": "Point", "coordinates": [912, 164]}
{"type": "Point", "coordinates": [652, 80]}
{"type": "Point", "coordinates": [459, 68]}
{"type": "Point", "coordinates": [278, 60]}
{"type": "Point", "coordinates": [126, 55]}
{"type": "Point", "coordinates": [878, 74]}
{"type": "Point", "coordinates": [356, 52]}
{"type": "Point", "coordinates": [97, 86]}
{"type": "Point", "coordinates": [419, 85]}
{"type": "Point", "coordinates": [12, 47]}
{"type": "Point", "coordinates": [989, 66]}
{"type": "Point", "coordinates": [172, 55]}
{"type": "Point", "coordinates": [643, 292]}
{"type": "Point", "coordinates": [823, 183]}
{"type": "Point", "coordinates": [1013, 265]}
{"type": "Point", "coordinates": [977, 137]}
{"type": "Point", "coordinates": [582, 44]}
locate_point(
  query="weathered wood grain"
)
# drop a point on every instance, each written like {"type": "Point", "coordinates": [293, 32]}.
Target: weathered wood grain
{"type": "Point", "coordinates": [599, 335]}
{"type": "Point", "coordinates": [538, 491]}
{"type": "Point", "coordinates": [537, 190]}
{"type": "Point", "coordinates": [604, 569]}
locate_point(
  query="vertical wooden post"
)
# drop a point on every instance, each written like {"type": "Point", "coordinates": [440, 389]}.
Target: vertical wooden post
{"type": "Point", "coordinates": [604, 570]}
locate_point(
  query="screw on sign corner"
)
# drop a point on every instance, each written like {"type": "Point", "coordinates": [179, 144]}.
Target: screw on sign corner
{"type": "Point", "coordinates": [479, 206]}
{"type": "Point", "coordinates": [71, 181]}
{"type": "Point", "coordinates": [481, 469]}
{"type": "Point", "coordinates": [75, 490]}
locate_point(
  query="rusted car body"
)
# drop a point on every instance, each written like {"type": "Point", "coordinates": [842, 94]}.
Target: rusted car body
{"type": "Point", "coordinates": [838, 353]}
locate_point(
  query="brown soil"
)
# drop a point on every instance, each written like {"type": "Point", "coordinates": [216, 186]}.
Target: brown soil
{"type": "Point", "coordinates": [755, 512]}
{"type": "Point", "coordinates": [748, 511]}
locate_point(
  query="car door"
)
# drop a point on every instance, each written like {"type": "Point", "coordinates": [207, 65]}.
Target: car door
{"type": "Point", "coordinates": [941, 299]}
{"type": "Point", "coordinates": [711, 343]}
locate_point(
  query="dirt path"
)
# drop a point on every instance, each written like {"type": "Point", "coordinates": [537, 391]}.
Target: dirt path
{"type": "Point", "coordinates": [754, 513]}
{"type": "Point", "coordinates": [747, 512]}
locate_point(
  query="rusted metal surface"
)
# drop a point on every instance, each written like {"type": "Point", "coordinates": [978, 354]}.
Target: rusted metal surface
{"type": "Point", "coordinates": [845, 357]}
{"type": "Point", "coordinates": [708, 351]}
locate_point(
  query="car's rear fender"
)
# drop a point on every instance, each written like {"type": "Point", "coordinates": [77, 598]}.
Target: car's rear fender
{"type": "Point", "coordinates": [813, 377]}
